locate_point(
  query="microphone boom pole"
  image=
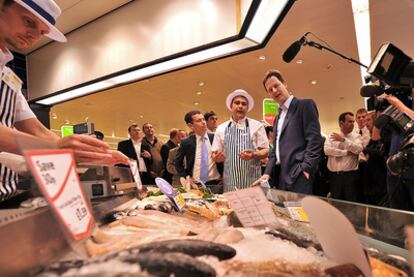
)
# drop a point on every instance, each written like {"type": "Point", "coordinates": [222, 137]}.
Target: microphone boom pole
{"type": "Point", "coordinates": [321, 47]}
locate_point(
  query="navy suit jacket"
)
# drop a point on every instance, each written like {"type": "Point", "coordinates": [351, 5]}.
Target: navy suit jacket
{"type": "Point", "coordinates": [128, 149]}
{"type": "Point", "coordinates": [300, 146]}
{"type": "Point", "coordinates": [187, 150]}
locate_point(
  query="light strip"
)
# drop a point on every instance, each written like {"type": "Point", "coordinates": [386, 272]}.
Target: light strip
{"type": "Point", "coordinates": [360, 10]}
{"type": "Point", "coordinates": [264, 19]}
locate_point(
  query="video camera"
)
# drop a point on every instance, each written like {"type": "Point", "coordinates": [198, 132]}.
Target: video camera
{"type": "Point", "coordinates": [395, 72]}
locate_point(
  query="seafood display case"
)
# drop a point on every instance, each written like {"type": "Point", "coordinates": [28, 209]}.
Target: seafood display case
{"type": "Point", "coordinates": [37, 240]}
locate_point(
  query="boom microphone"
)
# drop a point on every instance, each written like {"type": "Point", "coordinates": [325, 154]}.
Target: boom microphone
{"type": "Point", "coordinates": [294, 49]}
{"type": "Point", "coordinates": [371, 90]}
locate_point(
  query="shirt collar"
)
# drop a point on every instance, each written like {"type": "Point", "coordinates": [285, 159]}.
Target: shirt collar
{"type": "Point", "coordinates": [198, 137]}
{"type": "Point", "coordinates": [288, 102]}
{"type": "Point", "coordinates": [241, 121]}
{"type": "Point", "coordinates": [5, 58]}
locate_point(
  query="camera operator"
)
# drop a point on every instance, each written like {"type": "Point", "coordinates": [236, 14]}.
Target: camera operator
{"type": "Point", "coordinates": [400, 188]}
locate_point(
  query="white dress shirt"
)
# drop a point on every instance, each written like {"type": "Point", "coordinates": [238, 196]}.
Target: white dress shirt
{"type": "Point", "coordinates": [213, 173]}
{"type": "Point", "coordinates": [343, 156]}
{"type": "Point", "coordinates": [23, 110]}
{"type": "Point", "coordinates": [141, 163]}
{"type": "Point", "coordinates": [280, 120]}
{"type": "Point", "coordinates": [364, 133]}
{"type": "Point", "coordinates": [257, 133]}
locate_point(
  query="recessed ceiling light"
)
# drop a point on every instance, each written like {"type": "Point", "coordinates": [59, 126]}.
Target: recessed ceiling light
{"type": "Point", "coordinates": [299, 61]}
{"type": "Point", "coordinates": [198, 92]}
{"type": "Point", "coordinates": [54, 116]}
{"type": "Point", "coordinates": [262, 57]}
{"type": "Point", "coordinates": [313, 82]}
{"type": "Point", "coordinates": [141, 116]}
{"type": "Point", "coordinates": [196, 103]}
{"type": "Point", "coordinates": [201, 84]}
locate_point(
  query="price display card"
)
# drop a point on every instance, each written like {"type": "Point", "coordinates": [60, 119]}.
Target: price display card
{"type": "Point", "coordinates": [296, 211]}
{"type": "Point", "coordinates": [251, 207]}
{"type": "Point", "coordinates": [133, 165]}
{"type": "Point", "coordinates": [175, 197]}
{"type": "Point", "coordinates": [55, 173]}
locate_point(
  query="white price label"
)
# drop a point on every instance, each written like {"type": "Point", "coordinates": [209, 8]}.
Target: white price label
{"type": "Point", "coordinates": [133, 165]}
{"type": "Point", "coordinates": [251, 207]}
{"type": "Point", "coordinates": [55, 173]}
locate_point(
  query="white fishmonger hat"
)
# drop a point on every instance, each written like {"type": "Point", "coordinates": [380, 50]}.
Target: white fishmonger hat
{"type": "Point", "coordinates": [47, 11]}
{"type": "Point", "coordinates": [240, 92]}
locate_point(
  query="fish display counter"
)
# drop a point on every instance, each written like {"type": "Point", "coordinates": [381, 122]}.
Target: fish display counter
{"type": "Point", "coordinates": [147, 236]}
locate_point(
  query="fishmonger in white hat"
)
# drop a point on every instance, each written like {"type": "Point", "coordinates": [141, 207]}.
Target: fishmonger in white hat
{"type": "Point", "coordinates": [240, 143]}
{"type": "Point", "coordinates": [22, 24]}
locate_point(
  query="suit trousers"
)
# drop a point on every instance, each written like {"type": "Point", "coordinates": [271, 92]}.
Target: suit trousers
{"type": "Point", "coordinates": [344, 185]}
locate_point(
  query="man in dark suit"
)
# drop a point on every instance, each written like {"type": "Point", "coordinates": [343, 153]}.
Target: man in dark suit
{"type": "Point", "coordinates": [297, 139]}
{"type": "Point", "coordinates": [135, 149]}
{"type": "Point", "coordinates": [175, 139]}
{"type": "Point", "coordinates": [196, 151]}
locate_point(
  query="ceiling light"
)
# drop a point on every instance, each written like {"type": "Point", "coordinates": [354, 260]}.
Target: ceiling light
{"type": "Point", "coordinates": [54, 116]}
{"type": "Point", "coordinates": [313, 82]}
{"type": "Point", "coordinates": [262, 57]}
{"type": "Point", "coordinates": [198, 92]}
{"type": "Point", "coordinates": [196, 103]}
{"type": "Point", "coordinates": [299, 61]}
{"type": "Point", "coordinates": [266, 17]}
{"type": "Point", "coordinates": [360, 10]}
{"type": "Point", "coordinates": [67, 121]}
{"type": "Point", "coordinates": [141, 116]}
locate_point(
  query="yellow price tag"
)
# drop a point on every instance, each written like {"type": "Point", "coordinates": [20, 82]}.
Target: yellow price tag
{"type": "Point", "coordinates": [179, 200]}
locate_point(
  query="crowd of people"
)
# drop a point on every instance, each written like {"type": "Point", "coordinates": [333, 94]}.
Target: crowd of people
{"type": "Point", "coordinates": [292, 155]}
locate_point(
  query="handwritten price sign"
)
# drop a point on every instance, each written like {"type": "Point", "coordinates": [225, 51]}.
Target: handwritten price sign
{"type": "Point", "coordinates": [55, 173]}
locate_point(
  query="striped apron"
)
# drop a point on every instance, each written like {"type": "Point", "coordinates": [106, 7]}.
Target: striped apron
{"type": "Point", "coordinates": [239, 174]}
{"type": "Point", "coordinates": [8, 178]}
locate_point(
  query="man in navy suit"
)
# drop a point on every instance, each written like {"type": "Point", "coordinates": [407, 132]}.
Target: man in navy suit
{"type": "Point", "coordinates": [135, 149]}
{"type": "Point", "coordinates": [297, 139]}
{"type": "Point", "coordinates": [193, 160]}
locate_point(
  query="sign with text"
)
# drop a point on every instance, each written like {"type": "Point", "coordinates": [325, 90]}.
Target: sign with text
{"type": "Point", "coordinates": [55, 173]}
{"type": "Point", "coordinates": [296, 211]}
{"type": "Point", "coordinates": [133, 165]}
{"type": "Point", "coordinates": [251, 207]}
{"type": "Point", "coordinates": [270, 110]}
{"type": "Point", "coordinates": [175, 197]}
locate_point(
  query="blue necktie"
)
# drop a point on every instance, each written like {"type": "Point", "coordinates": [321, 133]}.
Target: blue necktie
{"type": "Point", "coordinates": [204, 161]}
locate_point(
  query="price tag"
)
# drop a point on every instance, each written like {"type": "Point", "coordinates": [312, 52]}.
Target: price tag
{"type": "Point", "coordinates": [251, 207]}
{"type": "Point", "coordinates": [175, 197]}
{"type": "Point", "coordinates": [55, 173]}
{"type": "Point", "coordinates": [133, 165]}
{"type": "Point", "coordinates": [296, 211]}
{"type": "Point", "coordinates": [179, 200]}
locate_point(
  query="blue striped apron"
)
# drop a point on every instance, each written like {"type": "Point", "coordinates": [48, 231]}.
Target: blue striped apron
{"type": "Point", "coordinates": [239, 174]}
{"type": "Point", "coordinates": [8, 178]}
